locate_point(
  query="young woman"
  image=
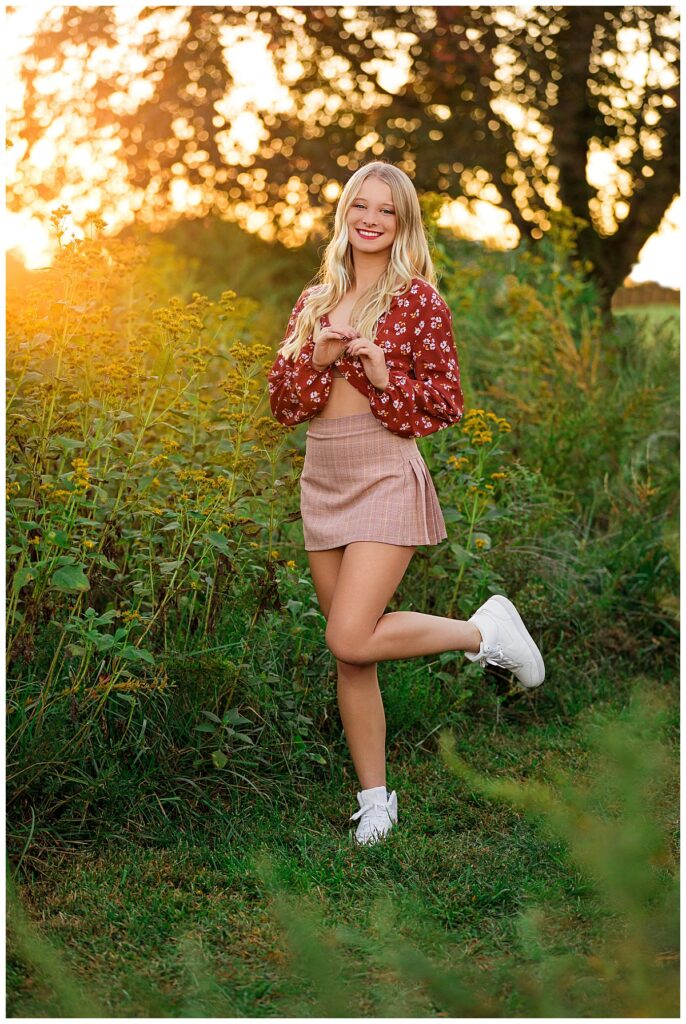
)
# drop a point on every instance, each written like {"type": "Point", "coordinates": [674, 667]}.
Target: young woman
{"type": "Point", "coordinates": [369, 359]}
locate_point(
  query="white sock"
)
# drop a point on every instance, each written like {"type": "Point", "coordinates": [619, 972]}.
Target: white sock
{"type": "Point", "coordinates": [377, 794]}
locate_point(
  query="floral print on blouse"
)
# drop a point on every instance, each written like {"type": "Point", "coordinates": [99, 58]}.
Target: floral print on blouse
{"type": "Point", "coordinates": [424, 392]}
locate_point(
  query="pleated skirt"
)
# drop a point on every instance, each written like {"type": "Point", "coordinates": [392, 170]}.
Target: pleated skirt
{"type": "Point", "coordinates": [359, 481]}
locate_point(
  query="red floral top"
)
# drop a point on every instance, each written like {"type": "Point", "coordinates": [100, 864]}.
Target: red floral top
{"type": "Point", "coordinates": [424, 393]}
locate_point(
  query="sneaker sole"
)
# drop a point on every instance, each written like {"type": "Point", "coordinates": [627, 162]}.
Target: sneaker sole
{"type": "Point", "coordinates": [531, 644]}
{"type": "Point", "coordinates": [370, 842]}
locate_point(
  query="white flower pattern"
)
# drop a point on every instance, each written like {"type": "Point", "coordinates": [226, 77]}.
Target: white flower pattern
{"type": "Point", "coordinates": [424, 392]}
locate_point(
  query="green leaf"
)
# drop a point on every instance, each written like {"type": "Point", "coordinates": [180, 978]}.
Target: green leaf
{"type": "Point", "coordinates": [219, 541]}
{"type": "Point", "coordinates": [211, 715]}
{"type": "Point", "coordinates": [107, 562]}
{"type": "Point", "coordinates": [57, 537]}
{"type": "Point", "coordinates": [127, 437]}
{"type": "Point", "coordinates": [69, 443]}
{"type": "Point", "coordinates": [131, 653]}
{"type": "Point", "coordinates": [219, 759]}
{"type": "Point", "coordinates": [104, 641]}
{"type": "Point", "coordinates": [106, 617]}
{"type": "Point", "coordinates": [167, 567]}
{"type": "Point", "coordinates": [22, 577]}
{"type": "Point", "coordinates": [452, 515]}
{"type": "Point", "coordinates": [70, 578]}
{"type": "Point", "coordinates": [235, 717]}
{"type": "Point", "coordinates": [462, 556]}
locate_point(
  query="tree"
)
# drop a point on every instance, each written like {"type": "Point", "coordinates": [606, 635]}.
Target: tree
{"type": "Point", "coordinates": [487, 103]}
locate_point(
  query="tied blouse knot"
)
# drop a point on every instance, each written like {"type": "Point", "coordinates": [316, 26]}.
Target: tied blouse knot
{"type": "Point", "coordinates": [424, 392]}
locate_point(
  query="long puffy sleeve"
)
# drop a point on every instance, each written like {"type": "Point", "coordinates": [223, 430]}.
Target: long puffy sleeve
{"type": "Point", "coordinates": [296, 390]}
{"type": "Point", "coordinates": [430, 398]}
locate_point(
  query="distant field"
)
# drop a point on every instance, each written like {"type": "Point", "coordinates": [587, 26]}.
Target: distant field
{"type": "Point", "coordinates": [657, 314]}
{"type": "Point", "coordinates": [656, 310]}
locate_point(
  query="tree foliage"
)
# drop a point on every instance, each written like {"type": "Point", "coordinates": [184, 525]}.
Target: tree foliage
{"type": "Point", "coordinates": [479, 103]}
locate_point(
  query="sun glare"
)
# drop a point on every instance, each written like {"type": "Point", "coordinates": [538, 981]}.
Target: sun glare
{"type": "Point", "coordinates": [240, 124]}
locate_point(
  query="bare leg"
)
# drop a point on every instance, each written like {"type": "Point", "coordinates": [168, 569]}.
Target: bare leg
{"type": "Point", "coordinates": [358, 631]}
{"type": "Point", "coordinates": [412, 634]}
{"type": "Point", "coordinates": [364, 722]}
{"type": "Point", "coordinates": [359, 697]}
{"type": "Point", "coordinates": [371, 573]}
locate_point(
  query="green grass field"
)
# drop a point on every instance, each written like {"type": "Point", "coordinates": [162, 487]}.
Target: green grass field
{"type": "Point", "coordinates": [462, 875]}
{"type": "Point", "coordinates": [656, 315]}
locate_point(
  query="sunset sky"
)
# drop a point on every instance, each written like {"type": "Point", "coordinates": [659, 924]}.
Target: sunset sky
{"type": "Point", "coordinates": [97, 160]}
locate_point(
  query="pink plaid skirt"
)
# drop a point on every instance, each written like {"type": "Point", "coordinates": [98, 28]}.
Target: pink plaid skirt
{"type": "Point", "coordinates": [360, 481]}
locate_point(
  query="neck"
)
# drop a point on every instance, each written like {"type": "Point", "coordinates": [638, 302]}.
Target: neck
{"type": "Point", "coordinates": [368, 269]}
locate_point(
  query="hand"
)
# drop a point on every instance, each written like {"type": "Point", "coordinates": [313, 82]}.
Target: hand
{"type": "Point", "coordinates": [329, 345]}
{"type": "Point", "coordinates": [373, 361]}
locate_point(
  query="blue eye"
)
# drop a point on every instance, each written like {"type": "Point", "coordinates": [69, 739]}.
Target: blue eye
{"type": "Point", "coordinates": [359, 206]}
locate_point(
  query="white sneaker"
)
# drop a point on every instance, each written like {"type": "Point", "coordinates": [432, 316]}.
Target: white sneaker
{"type": "Point", "coordinates": [505, 641]}
{"type": "Point", "coordinates": [377, 817]}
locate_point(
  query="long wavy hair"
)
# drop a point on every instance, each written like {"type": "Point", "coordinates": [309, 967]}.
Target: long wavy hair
{"type": "Point", "coordinates": [409, 257]}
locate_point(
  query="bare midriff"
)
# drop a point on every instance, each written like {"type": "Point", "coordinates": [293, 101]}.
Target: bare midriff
{"type": "Point", "coordinates": [344, 399]}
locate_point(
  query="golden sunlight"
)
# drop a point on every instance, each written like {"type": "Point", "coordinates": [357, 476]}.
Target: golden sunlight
{"type": "Point", "coordinates": [241, 122]}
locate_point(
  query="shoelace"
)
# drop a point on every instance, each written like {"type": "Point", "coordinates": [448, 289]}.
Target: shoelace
{"type": "Point", "coordinates": [494, 654]}
{"type": "Point", "coordinates": [376, 822]}
{"type": "Point", "coordinates": [370, 807]}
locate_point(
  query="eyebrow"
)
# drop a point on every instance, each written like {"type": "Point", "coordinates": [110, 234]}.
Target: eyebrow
{"type": "Point", "coordinates": [359, 199]}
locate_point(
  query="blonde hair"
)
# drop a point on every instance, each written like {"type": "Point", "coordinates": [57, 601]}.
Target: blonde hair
{"type": "Point", "coordinates": [410, 257]}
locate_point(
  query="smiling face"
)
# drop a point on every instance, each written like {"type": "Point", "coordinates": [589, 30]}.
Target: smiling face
{"type": "Point", "coordinates": [372, 217]}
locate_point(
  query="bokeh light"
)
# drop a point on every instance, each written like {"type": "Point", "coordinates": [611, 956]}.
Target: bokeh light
{"type": "Point", "coordinates": [242, 123]}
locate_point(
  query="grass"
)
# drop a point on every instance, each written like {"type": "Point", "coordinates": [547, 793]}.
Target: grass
{"type": "Point", "coordinates": [655, 315]}
{"type": "Point", "coordinates": [463, 875]}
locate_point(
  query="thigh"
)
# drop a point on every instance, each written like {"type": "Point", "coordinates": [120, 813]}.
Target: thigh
{"type": "Point", "coordinates": [369, 575]}
{"type": "Point", "coordinates": [324, 569]}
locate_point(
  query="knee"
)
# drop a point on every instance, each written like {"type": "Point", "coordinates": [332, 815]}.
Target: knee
{"type": "Point", "coordinates": [352, 674]}
{"type": "Point", "coordinates": [345, 647]}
